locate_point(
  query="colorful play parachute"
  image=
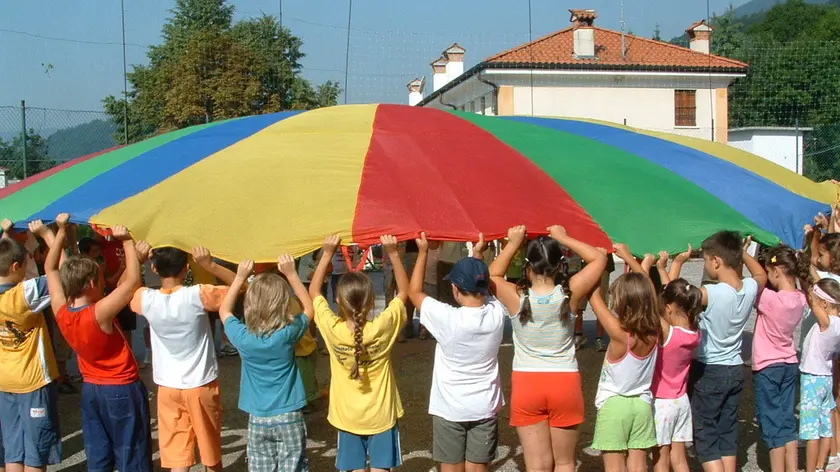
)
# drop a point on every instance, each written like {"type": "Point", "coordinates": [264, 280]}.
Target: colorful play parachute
{"type": "Point", "coordinates": [257, 186]}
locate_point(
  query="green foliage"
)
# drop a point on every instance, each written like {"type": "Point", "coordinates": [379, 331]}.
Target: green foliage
{"type": "Point", "coordinates": [37, 155]}
{"type": "Point", "coordinates": [81, 140]}
{"type": "Point", "coordinates": [208, 68]}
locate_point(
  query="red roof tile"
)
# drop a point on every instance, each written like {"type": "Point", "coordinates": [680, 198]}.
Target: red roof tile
{"type": "Point", "coordinates": [558, 49]}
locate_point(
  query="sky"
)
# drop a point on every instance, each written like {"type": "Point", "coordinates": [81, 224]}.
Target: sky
{"type": "Point", "coordinates": [391, 42]}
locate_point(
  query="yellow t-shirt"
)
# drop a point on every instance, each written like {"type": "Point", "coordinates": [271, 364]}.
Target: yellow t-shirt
{"type": "Point", "coordinates": [27, 362]}
{"type": "Point", "coordinates": [371, 405]}
{"type": "Point", "coordinates": [306, 345]}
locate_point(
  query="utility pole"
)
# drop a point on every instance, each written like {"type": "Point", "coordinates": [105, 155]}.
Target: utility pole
{"type": "Point", "coordinates": [125, 78]}
{"type": "Point", "coordinates": [623, 45]}
{"type": "Point", "coordinates": [347, 55]}
{"type": "Point", "coordinates": [23, 138]}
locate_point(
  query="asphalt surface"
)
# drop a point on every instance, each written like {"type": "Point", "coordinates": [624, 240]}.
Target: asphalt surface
{"type": "Point", "coordinates": [413, 361]}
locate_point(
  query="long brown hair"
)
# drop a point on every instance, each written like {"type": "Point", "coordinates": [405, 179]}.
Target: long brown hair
{"type": "Point", "coordinates": [543, 257]}
{"type": "Point", "coordinates": [356, 299]}
{"type": "Point", "coordinates": [635, 302]}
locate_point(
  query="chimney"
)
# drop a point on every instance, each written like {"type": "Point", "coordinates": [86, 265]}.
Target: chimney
{"type": "Point", "coordinates": [439, 78]}
{"type": "Point", "coordinates": [455, 61]}
{"type": "Point", "coordinates": [584, 31]}
{"type": "Point", "coordinates": [415, 91]}
{"type": "Point", "coordinates": [700, 35]}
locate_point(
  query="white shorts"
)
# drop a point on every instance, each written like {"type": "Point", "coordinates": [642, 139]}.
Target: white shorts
{"type": "Point", "coordinates": [673, 420]}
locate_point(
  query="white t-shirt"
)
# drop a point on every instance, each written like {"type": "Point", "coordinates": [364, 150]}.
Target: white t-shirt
{"type": "Point", "coordinates": [808, 320]}
{"type": "Point", "coordinates": [182, 346]}
{"type": "Point", "coordinates": [465, 383]}
{"type": "Point", "coordinates": [820, 348]}
{"type": "Point", "coordinates": [722, 324]}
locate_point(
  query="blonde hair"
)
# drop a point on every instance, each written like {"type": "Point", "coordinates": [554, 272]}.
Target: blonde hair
{"type": "Point", "coordinates": [76, 274]}
{"type": "Point", "coordinates": [356, 300]}
{"type": "Point", "coordinates": [267, 305]}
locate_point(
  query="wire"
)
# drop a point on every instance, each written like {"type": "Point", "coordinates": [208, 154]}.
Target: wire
{"type": "Point", "coordinates": [69, 40]}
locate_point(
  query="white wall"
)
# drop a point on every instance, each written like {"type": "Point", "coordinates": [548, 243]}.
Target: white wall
{"type": "Point", "coordinates": [782, 147]}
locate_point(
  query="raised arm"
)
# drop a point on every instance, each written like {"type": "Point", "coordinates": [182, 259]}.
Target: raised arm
{"type": "Point", "coordinates": [582, 283]}
{"type": "Point", "coordinates": [331, 244]}
{"type": "Point", "coordinates": [45, 233]}
{"type": "Point", "coordinates": [8, 228]}
{"type": "Point", "coordinates": [609, 321]}
{"type": "Point", "coordinates": [679, 260]}
{"type": "Point", "coordinates": [203, 258]}
{"type": "Point", "coordinates": [661, 265]}
{"type": "Point", "coordinates": [390, 245]}
{"type": "Point", "coordinates": [504, 290]}
{"type": "Point", "coordinates": [647, 263]}
{"type": "Point", "coordinates": [51, 265]}
{"type": "Point", "coordinates": [245, 269]}
{"type": "Point", "coordinates": [108, 308]}
{"type": "Point", "coordinates": [286, 265]}
{"type": "Point", "coordinates": [756, 270]}
{"type": "Point", "coordinates": [415, 287]}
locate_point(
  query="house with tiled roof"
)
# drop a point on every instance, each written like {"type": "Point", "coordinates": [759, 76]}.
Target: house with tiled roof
{"type": "Point", "coordinates": [589, 72]}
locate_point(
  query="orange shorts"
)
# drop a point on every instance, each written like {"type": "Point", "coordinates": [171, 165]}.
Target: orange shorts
{"type": "Point", "coordinates": [553, 396]}
{"type": "Point", "coordinates": [187, 417]}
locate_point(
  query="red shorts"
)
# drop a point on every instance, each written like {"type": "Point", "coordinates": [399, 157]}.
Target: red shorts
{"type": "Point", "coordinates": [540, 396]}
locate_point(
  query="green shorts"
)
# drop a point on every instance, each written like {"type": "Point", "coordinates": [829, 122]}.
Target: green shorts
{"type": "Point", "coordinates": [306, 366]}
{"type": "Point", "coordinates": [624, 423]}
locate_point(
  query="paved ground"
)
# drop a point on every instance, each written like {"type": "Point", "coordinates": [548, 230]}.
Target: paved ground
{"type": "Point", "coordinates": [414, 360]}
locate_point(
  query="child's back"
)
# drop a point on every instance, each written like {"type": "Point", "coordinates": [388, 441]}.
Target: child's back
{"type": "Point", "coordinates": [670, 380]}
{"type": "Point", "coordinates": [628, 376]}
{"type": "Point", "coordinates": [722, 323]}
{"type": "Point", "coordinates": [465, 383]}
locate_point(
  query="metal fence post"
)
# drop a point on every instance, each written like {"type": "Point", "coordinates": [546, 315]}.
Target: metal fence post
{"type": "Point", "coordinates": [23, 135]}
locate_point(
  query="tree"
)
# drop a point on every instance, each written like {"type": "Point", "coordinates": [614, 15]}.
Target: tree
{"type": "Point", "coordinates": [37, 156]}
{"type": "Point", "coordinates": [728, 33]}
{"type": "Point", "coordinates": [657, 33]}
{"type": "Point", "coordinates": [209, 68]}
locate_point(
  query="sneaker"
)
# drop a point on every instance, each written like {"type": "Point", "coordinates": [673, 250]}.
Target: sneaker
{"type": "Point", "coordinates": [220, 353]}
{"type": "Point", "coordinates": [600, 345]}
{"type": "Point", "coordinates": [229, 350]}
{"type": "Point", "coordinates": [833, 464]}
{"type": "Point", "coordinates": [580, 342]}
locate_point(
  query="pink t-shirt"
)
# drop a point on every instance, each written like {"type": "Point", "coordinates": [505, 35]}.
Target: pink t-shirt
{"type": "Point", "coordinates": [670, 379]}
{"type": "Point", "coordinates": [778, 315]}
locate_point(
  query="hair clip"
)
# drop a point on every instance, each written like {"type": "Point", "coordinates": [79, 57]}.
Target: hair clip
{"type": "Point", "coordinates": [773, 260]}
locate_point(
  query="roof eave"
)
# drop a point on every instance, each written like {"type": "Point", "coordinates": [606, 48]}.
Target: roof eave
{"type": "Point", "coordinates": [742, 71]}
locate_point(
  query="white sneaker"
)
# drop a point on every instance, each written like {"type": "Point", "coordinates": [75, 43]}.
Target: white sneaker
{"type": "Point", "coordinates": [833, 464]}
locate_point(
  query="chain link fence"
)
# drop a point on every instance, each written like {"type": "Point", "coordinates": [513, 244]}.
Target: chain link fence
{"type": "Point", "coordinates": [52, 137]}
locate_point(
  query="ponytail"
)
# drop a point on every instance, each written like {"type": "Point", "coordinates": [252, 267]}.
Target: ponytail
{"type": "Point", "coordinates": [544, 258]}
{"type": "Point", "coordinates": [523, 286]}
{"type": "Point", "coordinates": [355, 301]}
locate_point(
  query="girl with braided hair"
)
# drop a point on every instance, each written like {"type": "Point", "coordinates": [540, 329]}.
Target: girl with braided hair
{"type": "Point", "coordinates": [364, 401]}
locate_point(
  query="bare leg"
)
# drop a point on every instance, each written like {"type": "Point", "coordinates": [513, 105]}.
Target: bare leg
{"type": "Point", "coordinates": [777, 459]}
{"type": "Point", "coordinates": [730, 463]}
{"type": "Point", "coordinates": [825, 446]}
{"type": "Point", "coordinates": [791, 457]}
{"type": "Point", "coordinates": [453, 467]}
{"type": "Point", "coordinates": [713, 466]}
{"type": "Point", "coordinates": [812, 451]}
{"type": "Point", "coordinates": [637, 460]}
{"type": "Point", "coordinates": [662, 459]}
{"type": "Point", "coordinates": [215, 468]}
{"type": "Point", "coordinates": [679, 458]}
{"type": "Point", "coordinates": [536, 447]}
{"type": "Point", "coordinates": [614, 461]}
{"type": "Point", "coordinates": [563, 444]}
{"type": "Point", "coordinates": [17, 467]}
{"type": "Point", "coordinates": [473, 467]}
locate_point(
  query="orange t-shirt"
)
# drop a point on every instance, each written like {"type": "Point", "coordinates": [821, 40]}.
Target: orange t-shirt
{"type": "Point", "coordinates": [104, 359]}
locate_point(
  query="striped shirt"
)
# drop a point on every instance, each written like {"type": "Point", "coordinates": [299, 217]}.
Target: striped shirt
{"type": "Point", "coordinates": [546, 343]}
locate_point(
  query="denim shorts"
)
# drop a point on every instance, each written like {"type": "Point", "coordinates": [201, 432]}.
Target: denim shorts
{"type": "Point", "coordinates": [29, 422]}
{"type": "Point", "coordinates": [715, 393]}
{"type": "Point", "coordinates": [382, 449]}
{"type": "Point", "coordinates": [115, 426]}
{"type": "Point", "coordinates": [775, 403]}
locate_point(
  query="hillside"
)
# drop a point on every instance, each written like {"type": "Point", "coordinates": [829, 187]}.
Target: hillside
{"type": "Point", "coordinates": [759, 6]}
{"type": "Point", "coordinates": [87, 138]}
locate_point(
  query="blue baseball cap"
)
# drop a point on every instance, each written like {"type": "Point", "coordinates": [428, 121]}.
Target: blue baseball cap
{"type": "Point", "coordinates": [470, 275]}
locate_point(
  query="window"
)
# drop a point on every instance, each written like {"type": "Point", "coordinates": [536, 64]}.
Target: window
{"type": "Point", "coordinates": [472, 106]}
{"type": "Point", "coordinates": [483, 105]}
{"type": "Point", "coordinates": [685, 107]}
